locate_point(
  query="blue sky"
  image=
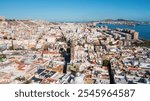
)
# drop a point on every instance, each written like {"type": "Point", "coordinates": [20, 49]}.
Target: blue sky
{"type": "Point", "coordinates": [76, 10]}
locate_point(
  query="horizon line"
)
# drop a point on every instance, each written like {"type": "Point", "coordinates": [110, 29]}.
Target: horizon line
{"type": "Point", "coordinates": [84, 20]}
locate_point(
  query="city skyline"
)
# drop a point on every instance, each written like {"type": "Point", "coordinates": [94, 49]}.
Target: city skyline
{"type": "Point", "coordinates": [76, 10]}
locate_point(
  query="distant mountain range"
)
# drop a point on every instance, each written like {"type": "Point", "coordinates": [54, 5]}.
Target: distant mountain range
{"type": "Point", "coordinates": [124, 20]}
{"type": "Point", "coordinates": [119, 20]}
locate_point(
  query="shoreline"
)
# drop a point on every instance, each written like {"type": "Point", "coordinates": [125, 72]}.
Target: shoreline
{"type": "Point", "coordinates": [146, 38]}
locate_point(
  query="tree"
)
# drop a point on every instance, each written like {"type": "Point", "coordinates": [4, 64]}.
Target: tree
{"type": "Point", "coordinates": [33, 49]}
{"type": "Point", "coordinates": [46, 46]}
{"type": "Point", "coordinates": [12, 47]}
{"type": "Point", "coordinates": [106, 63]}
{"type": "Point", "coordinates": [110, 43]}
{"type": "Point", "coordinates": [27, 82]}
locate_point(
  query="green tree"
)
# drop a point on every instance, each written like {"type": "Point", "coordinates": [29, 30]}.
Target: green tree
{"type": "Point", "coordinates": [106, 62]}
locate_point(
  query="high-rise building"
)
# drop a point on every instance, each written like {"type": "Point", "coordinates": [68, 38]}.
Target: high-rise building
{"type": "Point", "coordinates": [72, 51]}
{"type": "Point", "coordinates": [128, 37]}
{"type": "Point", "coordinates": [135, 36]}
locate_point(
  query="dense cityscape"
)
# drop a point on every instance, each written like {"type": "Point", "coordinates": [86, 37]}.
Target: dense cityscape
{"type": "Point", "coordinates": [36, 51]}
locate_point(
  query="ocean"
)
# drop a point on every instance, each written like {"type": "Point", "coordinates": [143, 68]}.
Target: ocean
{"type": "Point", "coordinates": [144, 30]}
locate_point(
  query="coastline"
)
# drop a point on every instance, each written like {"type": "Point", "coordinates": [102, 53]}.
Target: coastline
{"type": "Point", "coordinates": [144, 33]}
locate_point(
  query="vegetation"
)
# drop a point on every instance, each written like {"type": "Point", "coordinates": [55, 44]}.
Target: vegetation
{"type": "Point", "coordinates": [110, 43]}
{"type": "Point", "coordinates": [62, 39]}
{"type": "Point", "coordinates": [10, 20]}
{"type": "Point", "coordinates": [33, 48]}
{"type": "Point", "coordinates": [69, 43]}
{"type": "Point", "coordinates": [45, 46]}
{"type": "Point", "coordinates": [106, 63]}
{"type": "Point", "coordinates": [27, 82]}
{"type": "Point", "coordinates": [2, 57]}
{"type": "Point", "coordinates": [10, 48]}
{"type": "Point", "coordinates": [144, 44]}
{"type": "Point", "coordinates": [20, 78]}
